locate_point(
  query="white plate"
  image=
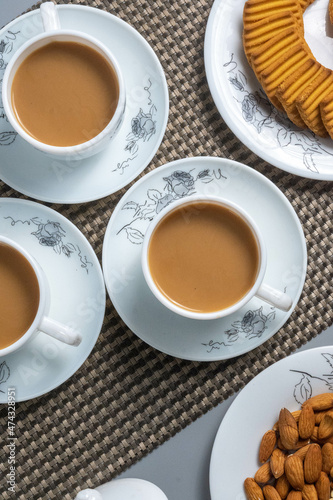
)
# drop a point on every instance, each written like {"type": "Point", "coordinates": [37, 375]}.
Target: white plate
{"type": "Point", "coordinates": [142, 312]}
{"type": "Point", "coordinates": [38, 176]}
{"type": "Point", "coordinates": [287, 383]}
{"type": "Point", "coordinates": [77, 297]}
{"type": "Point", "coordinates": [243, 104]}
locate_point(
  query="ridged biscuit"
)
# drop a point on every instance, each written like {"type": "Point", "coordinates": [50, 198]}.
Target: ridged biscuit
{"type": "Point", "coordinates": [292, 88]}
{"type": "Point", "coordinates": [330, 10]}
{"type": "Point", "coordinates": [304, 4]}
{"type": "Point", "coordinates": [326, 113]}
{"type": "Point", "coordinates": [292, 60]}
{"type": "Point", "coordinates": [275, 58]}
{"type": "Point", "coordinates": [308, 104]}
{"type": "Point", "coordinates": [263, 56]}
{"type": "Point", "coordinates": [264, 30]}
{"type": "Point", "coordinates": [294, 81]}
{"type": "Point", "coordinates": [255, 10]}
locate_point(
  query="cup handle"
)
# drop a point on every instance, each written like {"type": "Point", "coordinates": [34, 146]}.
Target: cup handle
{"type": "Point", "coordinates": [274, 297]}
{"type": "Point", "coordinates": [50, 17]}
{"type": "Point", "coordinates": [60, 332]}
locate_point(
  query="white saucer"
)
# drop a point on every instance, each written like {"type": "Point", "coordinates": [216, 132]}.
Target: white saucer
{"type": "Point", "coordinates": [285, 384]}
{"type": "Point", "coordinates": [77, 297]}
{"type": "Point", "coordinates": [142, 312]}
{"type": "Point", "coordinates": [244, 106]}
{"type": "Point", "coordinates": [38, 176]}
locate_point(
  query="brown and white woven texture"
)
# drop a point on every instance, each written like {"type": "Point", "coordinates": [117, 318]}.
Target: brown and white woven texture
{"type": "Point", "coordinates": [128, 398]}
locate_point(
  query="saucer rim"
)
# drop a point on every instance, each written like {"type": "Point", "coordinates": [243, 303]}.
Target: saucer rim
{"type": "Point", "coordinates": [166, 103]}
{"type": "Point", "coordinates": [99, 274]}
{"type": "Point", "coordinates": [284, 200]}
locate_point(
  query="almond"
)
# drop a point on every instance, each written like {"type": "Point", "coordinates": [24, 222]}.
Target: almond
{"type": "Point", "coordinates": [267, 445]}
{"type": "Point", "coordinates": [314, 436]}
{"type": "Point", "coordinates": [319, 415]}
{"type": "Point", "coordinates": [320, 402]}
{"type": "Point", "coordinates": [301, 452]}
{"type": "Point", "coordinates": [301, 443]}
{"type": "Point", "coordinates": [306, 422]}
{"type": "Point", "coordinates": [309, 492]}
{"type": "Point", "coordinates": [277, 460]}
{"type": "Point", "coordinates": [323, 487]}
{"type": "Point", "coordinates": [253, 490]}
{"type": "Point", "coordinates": [331, 473]}
{"type": "Point", "coordinates": [282, 486]}
{"type": "Point", "coordinates": [270, 493]}
{"type": "Point", "coordinates": [293, 468]}
{"type": "Point", "coordinates": [328, 440]}
{"type": "Point", "coordinates": [327, 456]}
{"type": "Point", "coordinates": [325, 429]}
{"type": "Point", "coordinates": [295, 414]}
{"type": "Point", "coordinates": [263, 474]}
{"type": "Point", "coordinates": [312, 463]}
{"type": "Point", "coordinates": [294, 495]}
{"type": "Point", "coordinates": [280, 445]}
{"type": "Point", "coordinates": [288, 429]}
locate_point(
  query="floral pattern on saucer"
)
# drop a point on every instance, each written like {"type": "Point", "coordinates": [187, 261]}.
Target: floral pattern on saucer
{"type": "Point", "coordinates": [177, 185]}
{"type": "Point", "coordinates": [251, 326]}
{"type": "Point", "coordinates": [4, 374]}
{"type": "Point", "coordinates": [143, 127]}
{"type": "Point", "coordinates": [51, 234]}
{"type": "Point", "coordinates": [7, 45]}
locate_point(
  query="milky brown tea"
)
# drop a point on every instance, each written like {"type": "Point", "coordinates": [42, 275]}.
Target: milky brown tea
{"type": "Point", "coordinates": [19, 295]}
{"type": "Point", "coordinates": [203, 257]}
{"type": "Point", "coordinates": [64, 93]}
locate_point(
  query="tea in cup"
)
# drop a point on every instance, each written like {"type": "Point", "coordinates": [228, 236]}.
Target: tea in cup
{"type": "Point", "coordinates": [25, 301]}
{"type": "Point", "coordinates": [63, 91]}
{"type": "Point", "coordinates": [205, 258]}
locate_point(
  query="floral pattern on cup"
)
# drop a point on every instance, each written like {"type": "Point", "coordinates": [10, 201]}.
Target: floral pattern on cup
{"type": "Point", "coordinates": [177, 185]}
{"type": "Point", "coordinates": [51, 234]}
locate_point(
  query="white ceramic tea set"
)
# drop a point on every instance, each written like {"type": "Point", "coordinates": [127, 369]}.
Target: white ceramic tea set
{"type": "Point", "coordinates": [72, 275]}
{"type": "Point", "coordinates": [123, 489]}
{"type": "Point", "coordinates": [42, 235]}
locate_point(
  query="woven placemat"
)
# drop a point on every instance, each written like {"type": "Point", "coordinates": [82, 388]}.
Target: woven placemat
{"type": "Point", "coordinates": [128, 398]}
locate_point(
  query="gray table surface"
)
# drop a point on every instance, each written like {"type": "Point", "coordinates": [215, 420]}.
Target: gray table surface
{"type": "Point", "coordinates": [180, 467]}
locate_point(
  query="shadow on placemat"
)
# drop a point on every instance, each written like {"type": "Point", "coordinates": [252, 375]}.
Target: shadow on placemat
{"type": "Point", "coordinates": [128, 398]}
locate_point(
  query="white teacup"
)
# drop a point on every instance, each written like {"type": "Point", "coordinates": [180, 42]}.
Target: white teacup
{"type": "Point", "coordinates": [41, 321]}
{"type": "Point", "coordinates": [259, 289]}
{"type": "Point", "coordinates": [54, 32]}
{"type": "Point", "coordinates": [123, 489]}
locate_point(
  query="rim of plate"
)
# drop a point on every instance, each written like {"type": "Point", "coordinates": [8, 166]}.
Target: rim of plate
{"type": "Point", "coordinates": [159, 138]}
{"type": "Point", "coordinates": [197, 159]}
{"type": "Point", "coordinates": [227, 117]}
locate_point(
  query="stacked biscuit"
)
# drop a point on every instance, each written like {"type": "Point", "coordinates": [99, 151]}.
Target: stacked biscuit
{"type": "Point", "coordinates": [294, 81]}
